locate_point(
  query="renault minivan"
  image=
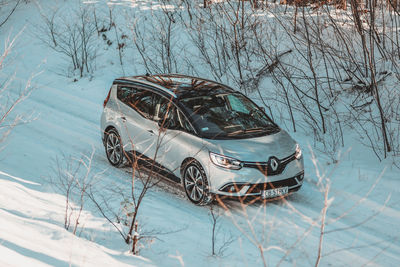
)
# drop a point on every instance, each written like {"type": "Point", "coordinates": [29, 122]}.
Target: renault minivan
{"type": "Point", "coordinates": [201, 134]}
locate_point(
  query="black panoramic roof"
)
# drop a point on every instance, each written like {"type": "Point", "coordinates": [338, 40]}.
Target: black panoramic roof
{"type": "Point", "coordinates": [177, 85]}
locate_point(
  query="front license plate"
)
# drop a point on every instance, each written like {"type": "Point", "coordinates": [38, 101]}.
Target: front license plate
{"type": "Point", "coordinates": [276, 192]}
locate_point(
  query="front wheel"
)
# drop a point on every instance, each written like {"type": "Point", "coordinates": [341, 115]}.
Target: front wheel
{"type": "Point", "coordinates": [196, 185]}
{"type": "Point", "coordinates": [114, 149]}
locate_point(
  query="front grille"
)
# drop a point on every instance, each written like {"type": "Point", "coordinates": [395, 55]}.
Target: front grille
{"type": "Point", "coordinates": [265, 167]}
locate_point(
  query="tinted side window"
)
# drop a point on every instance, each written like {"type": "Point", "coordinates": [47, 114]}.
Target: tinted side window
{"type": "Point", "coordinates": [142, 101]}
{"type": "Point", "coordinates": [164, 111]}
{"type": "Point", "coordinates": [169, 116]}
{"type": "Point", "coordinates": [185, 123]}
{"type": "Point", "coordinates": [123, 93]}
{"type": "Point", "coordinates": [163, 108]}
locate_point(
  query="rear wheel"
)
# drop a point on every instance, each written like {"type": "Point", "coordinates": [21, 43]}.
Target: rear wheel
{"type": "Point", "coordinates": [196, 185]}
{"type": "Point", "coordinates": [114, 148]}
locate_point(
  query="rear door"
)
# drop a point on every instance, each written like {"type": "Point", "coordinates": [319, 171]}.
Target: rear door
{"type": "Point", "coordinates": [136, 106]}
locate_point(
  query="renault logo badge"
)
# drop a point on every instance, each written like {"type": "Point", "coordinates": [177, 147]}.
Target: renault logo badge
{"type": "Point", "coordinates": [274, 164]}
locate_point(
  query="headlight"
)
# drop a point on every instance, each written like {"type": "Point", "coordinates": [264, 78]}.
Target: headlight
{"type": "Point", "coordinates": [297, 154]}
{"type": "Point", "coordinates": [225, 162]}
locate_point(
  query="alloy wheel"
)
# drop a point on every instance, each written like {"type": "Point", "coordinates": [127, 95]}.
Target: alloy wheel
{"type": "Point", "coordinates": [114, 148]}
{"type": "Point", "coordinates": [194, 184]}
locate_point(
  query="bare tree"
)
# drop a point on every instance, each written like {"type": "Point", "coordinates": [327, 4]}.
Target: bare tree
{"type": "Point", "coordinates": [156, 41]}
{"type": "Point", "coordinates": [8, 102]}
{"type": "Point", "coordinates": [144, 176]}
{"type": "Point", "coordinates": [218, 245]}
{"type": "Point", "coordinates": [72, 36]}
{"type": "Point", "coordinates": [256, 220]}
{"type": "Point", "coordinates": [72, 178]}
{"type": "Point", "coordinates": [3, 4]}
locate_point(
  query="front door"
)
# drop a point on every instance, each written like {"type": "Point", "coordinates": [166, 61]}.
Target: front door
{"type": "Point", "coordinates": [176, 140]}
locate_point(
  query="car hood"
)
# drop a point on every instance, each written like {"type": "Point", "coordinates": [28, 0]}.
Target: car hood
{"type": "Point", "coordinates": [257, 149]}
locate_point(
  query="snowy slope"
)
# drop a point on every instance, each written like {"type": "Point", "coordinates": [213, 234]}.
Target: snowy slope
{"type": "Point", "coordinates": [362, 219]}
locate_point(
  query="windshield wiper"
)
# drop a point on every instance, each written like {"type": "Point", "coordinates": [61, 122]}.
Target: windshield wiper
{"type": "Point", "coordinates": [257, 129]}
{"type": "Point", "coordinates": [236, 132]}
{"type": "Point", "coordinates": [268, 129]}
{"type": "Point", "coordinates": [271, 128]}
{"type": "Point", "coordinates": [246, 131]}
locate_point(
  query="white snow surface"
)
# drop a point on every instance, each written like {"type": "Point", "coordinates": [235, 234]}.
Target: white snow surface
{"type": "Point", "coordinates": [362, 222]}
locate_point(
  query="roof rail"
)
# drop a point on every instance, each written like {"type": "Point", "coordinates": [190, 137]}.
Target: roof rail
{"type": "Point", "coordinates": [176, 75]}
{"type": "Point", "coordinates": [134, 80]}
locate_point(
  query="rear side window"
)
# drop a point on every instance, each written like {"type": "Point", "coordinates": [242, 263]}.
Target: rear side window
{"type": "Point", "coordinates": [139, 99]}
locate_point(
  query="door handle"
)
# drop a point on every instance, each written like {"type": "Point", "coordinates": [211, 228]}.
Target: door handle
{"type": "Point", "coordinates": [123, 118]}
{"type": "Point", "coordinates": [151, 132]}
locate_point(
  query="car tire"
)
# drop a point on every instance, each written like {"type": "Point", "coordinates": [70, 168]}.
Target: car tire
{"type": "Point", "coordinates": [114, 148]}
{"type": "Point", "coordinates": [196, 185]}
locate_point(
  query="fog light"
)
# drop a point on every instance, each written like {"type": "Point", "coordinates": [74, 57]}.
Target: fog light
{"type": "Point", "coordinates": [232, 188]}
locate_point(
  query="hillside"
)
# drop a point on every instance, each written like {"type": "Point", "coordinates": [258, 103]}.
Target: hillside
{"type": "Point", "coordinates": [61, 123]}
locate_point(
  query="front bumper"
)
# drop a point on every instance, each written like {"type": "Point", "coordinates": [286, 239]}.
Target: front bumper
{"type": "Point", "coordinates": [252, 181]}
{"type": "Point", "coordinates": [250, 190]}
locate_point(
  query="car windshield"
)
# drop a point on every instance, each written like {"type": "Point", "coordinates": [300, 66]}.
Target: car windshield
{"type": "Point", "coordinates": [227, 115]}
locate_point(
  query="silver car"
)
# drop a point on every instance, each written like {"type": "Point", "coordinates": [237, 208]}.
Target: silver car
{"type": "Point", "coordinates": [201, 134]}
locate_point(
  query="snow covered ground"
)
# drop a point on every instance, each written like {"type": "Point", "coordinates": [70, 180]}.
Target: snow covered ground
{"type": "Point", "coordinates": [361, 222]}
